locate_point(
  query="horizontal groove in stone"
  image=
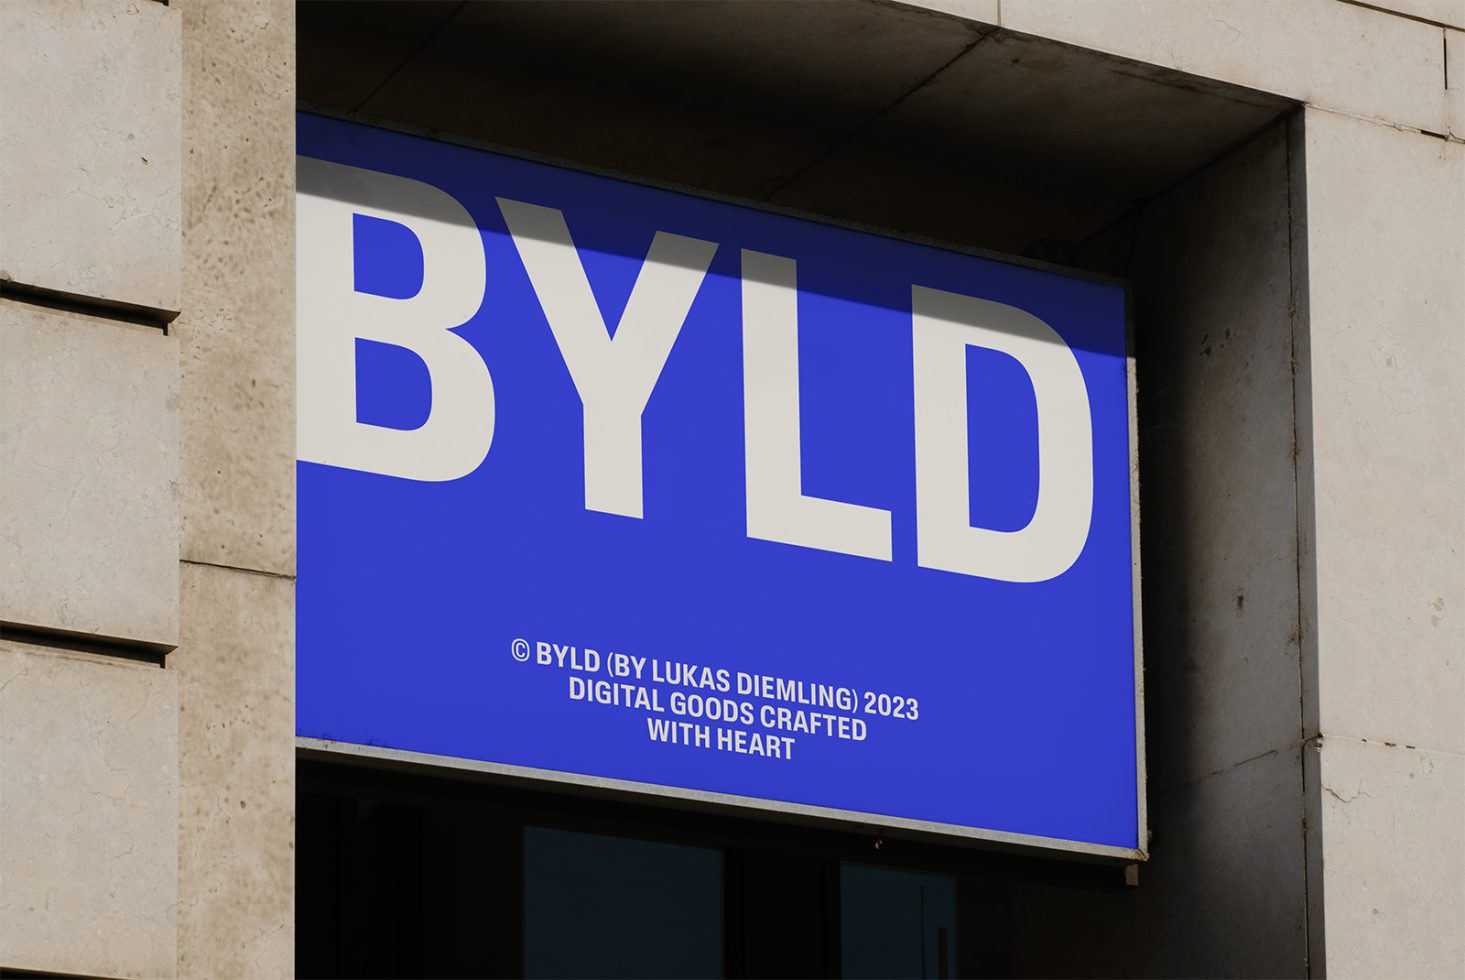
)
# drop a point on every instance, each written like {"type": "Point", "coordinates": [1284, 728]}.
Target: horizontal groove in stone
{"type": "Point", "coordinates": [85, 643]}
{"type": "Point", "coordinates": [105, 309]}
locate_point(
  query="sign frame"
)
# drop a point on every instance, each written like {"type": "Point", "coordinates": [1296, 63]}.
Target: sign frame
{"type": "Point", "coordinates": [747, 807]}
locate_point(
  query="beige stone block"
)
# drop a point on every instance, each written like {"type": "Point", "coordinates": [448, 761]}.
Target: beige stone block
{"type": "Point", "coordinates": [88, 814]}
{"type": "Point", "coordinates": [1449, 12]}
{"type": "Point", "coordinates": [1335, 55]}
{"type": "Point", "coordinates": [1386, 368]}
{"type": "Point", "coordinates": [1393, 860]}
{"type": "Point", "coordinates": [88, 472]}
{"type": "Point", "coordinates": [237, 336]}
{"type": "Point", "coordinates": [90, 96]}
{"type": "Point", "coordinates": [236, 863]}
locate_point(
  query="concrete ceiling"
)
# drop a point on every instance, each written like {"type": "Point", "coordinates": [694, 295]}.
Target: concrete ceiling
{"type": "Point", "coordinates": [864, 110]}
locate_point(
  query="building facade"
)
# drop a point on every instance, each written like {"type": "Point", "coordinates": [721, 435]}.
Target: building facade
{"type": "Point", "coordinates": [1282, 186]}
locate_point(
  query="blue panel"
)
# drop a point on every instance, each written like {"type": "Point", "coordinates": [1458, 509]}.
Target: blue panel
{"type": "Point", "coordinates": [386, 258]}
{"type": "Point", "coordinates": [393, 386]}
{"type": "Point", "coordinates": [411, 594]}
{"type": "Point", "coordinates": [1002, 435]}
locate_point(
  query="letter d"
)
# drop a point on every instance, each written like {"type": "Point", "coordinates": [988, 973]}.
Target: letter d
{"type": "Point", "coordinates": [944, 325]}
{"type": "Point", "coordinates": [332, 316]}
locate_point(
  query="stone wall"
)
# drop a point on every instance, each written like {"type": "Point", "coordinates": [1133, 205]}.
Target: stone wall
{"type": "Point", "coordinates": [147, 487]}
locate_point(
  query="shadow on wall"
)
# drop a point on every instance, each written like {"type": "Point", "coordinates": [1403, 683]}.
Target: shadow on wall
{"type": "Point", "coordinates": [1224, 892]}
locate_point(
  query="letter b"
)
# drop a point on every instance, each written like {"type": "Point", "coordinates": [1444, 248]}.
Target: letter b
{"type": "Point", "coordinates": [332, 315]}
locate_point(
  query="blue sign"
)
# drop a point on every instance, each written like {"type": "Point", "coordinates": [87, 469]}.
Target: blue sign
{"type": "Point", "coordinates": [601, 480]}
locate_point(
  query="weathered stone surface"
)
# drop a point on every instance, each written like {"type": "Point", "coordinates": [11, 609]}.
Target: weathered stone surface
{"type": "Point", "coordinates": [1022, 140]}
{"type": "Point", "coordinates": [236, 859]}
{"type": "Point", "coordinates": [237, 335]}
{"type": "Point", "coordinates": [1211, 278]}
{"type": "Point", "coordinates": [88, 474]}
{"type": "Point", "coordinates": [1225, 889]}
{"type": "Point", "coordinates": [235, 662]}
{"type": "Point", "coordinates": [1336, 55]}
{"type": "Point", "coordinates": [88, 814]}
{"type": "Point", "coordinates": [1394, 859]}
{"type": "Point", "coordinates": [1386, 311]}
{"type": "Point", "coordinates": [1223, 893]}
{"type": "Point", "coordinates": [89, 166]}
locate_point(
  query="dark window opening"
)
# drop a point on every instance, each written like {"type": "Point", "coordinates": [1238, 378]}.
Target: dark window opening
{"type": "Point", "coordinates": [409, 874]}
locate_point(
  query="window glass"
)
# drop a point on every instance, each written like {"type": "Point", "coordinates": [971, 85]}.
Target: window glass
{"type": "Point", "coordinates": [896, 923]}
{"type": "Point", "coordinates": [600, 906]}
